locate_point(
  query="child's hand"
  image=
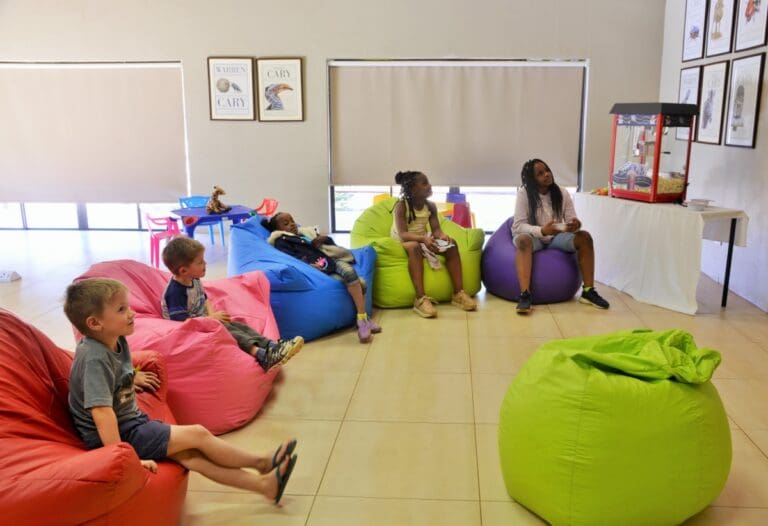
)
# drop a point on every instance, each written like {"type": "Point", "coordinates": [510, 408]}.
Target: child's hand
{"type": "Point", "coordinates": [320, 240]}
{"type": "Point", "coordinates": [549, 229]}
{"type": "Point", "coordinates": [574, 225]}
{"type": "Point", "coordinates": [146, 380]}
{"type": "Point", "coordinates": [151, 465]}
{"type": "Point", "coordinates": [221, 315]}
{"type": "Point", "coordinates": [429, 242]}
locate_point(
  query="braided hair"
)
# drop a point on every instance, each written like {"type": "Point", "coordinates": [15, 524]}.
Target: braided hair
{"type": "Point", "coordinates": [406, 181]}
{"type": "Point", "coordinates": [532, 191]}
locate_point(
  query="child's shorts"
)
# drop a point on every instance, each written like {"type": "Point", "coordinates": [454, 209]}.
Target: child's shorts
{"type": "Point", "coordinates": [562, 241]}
{"type": "Point", "coordinates": [148, 437]}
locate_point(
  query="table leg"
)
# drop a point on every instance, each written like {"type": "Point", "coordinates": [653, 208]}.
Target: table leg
{"type": "Point", "coordinates": [728, 263]}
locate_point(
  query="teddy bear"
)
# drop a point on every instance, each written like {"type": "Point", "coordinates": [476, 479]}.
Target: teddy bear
{"type": "Point", "coordinates": [215, 206]}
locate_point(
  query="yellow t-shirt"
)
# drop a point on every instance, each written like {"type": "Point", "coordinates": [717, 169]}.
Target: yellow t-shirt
{"type": "Point", "coordinates": [419, 226]}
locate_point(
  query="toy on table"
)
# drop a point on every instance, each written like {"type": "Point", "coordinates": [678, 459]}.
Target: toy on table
{"type": "Point", "coordinates": [215, 206]}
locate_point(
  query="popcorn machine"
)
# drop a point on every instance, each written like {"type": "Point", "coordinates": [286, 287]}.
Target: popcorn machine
{"type": "Point", "coordinates": [650, 151]}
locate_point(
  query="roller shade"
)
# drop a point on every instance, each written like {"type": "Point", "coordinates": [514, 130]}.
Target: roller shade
{"type": "Point", "coordinates": [460, 122]}
{"type": "Point", "coordinates": [92, 133]}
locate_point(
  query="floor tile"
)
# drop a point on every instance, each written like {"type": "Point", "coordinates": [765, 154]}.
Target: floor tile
{"type": "Point", "coordinates": [507, 514]}
{"type": "Point", "coordinates": [348, 511]}
{"type": "Point", "coordinates": [745, 401]}
{"type": "Point", "coordinates": [489, 465]}
{"type": "Point", "coordinates": [592, 322]}
{"type": "Point", "coordinates": [412, 397]}
{"type": "Point", "coordinates": [490, 354]}
{"type": "Point", "coordinates": [747, 485]}
{"type": "Point", "coordinates": [722, 516]}
{"type": "Point", "coordinates": [441, 352]}
{"type": "Point", "coordinates": [310, 394]}
{"type": "Point", "coordinates": [409, 461]}
{"type": "Point", "coordinates": [488, 391]}
{"type": "Point", "coordinates": [760, 438]}
{"type": "Point", "coordinates": [204, 508]}
{"type": "Point", "coordinates": [337, 352]}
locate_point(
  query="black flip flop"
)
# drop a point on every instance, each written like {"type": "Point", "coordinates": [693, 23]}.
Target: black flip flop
{"type": "Point", "coordinates": [288, 450]}
{"type": "Point", "coordinates": [282, 479]}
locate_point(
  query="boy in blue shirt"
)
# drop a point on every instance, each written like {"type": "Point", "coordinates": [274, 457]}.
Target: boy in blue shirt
{"type": "Point", "coordinates": [184, 297]}
{"type": "Point", "coordinates": [102, 400]}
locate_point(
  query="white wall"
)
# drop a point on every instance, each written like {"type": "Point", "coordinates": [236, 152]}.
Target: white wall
{"type": "Point", "coordinates": [733, 177]}
{"type": "Point", "coordinates": [289, 161]}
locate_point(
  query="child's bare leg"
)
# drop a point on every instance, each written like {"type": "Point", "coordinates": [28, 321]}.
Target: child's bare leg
{"type": "Point", "coordinates": [415, 266]}
{"type": "Point", "coordinates": [586, 256]}
{"type": "Point", "coordinates": [524, 262]}
{"type": "Point", "coordinates": [194, 460]}
{"type": "Point", "coordinates": [217, 450]}
{"type": "Point", "coordinates": [356, 291]}
{"type": "Point", "coordinates": [453, 263]}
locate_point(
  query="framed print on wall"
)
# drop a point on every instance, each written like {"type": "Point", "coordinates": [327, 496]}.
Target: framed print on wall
{"type": "Point", "coordinates": [744, 100]}
{"type": "Point", "coordinates": [281, 93]}
{"type": "Point", "coordinates": [230, 88]}
{"type": "Point", "coordinates": [713, 82]}
{"type": "Point", "coordinates": [688, 93]}
{"type": "Point", "coordinates": [693, 36]}
{"type": "Point", "coordinates": [720, 27]}
{"type": "Point", "coordinates": [751, 26]}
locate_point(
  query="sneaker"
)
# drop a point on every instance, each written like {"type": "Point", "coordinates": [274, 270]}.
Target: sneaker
{"type": "Point", "coordinates": [462, 300]}
{"type": "Point", "coordinates": [375, 329]}
{"type": "Point", "coordinates": [424, 308]}
{"type": "Point", "coordinates": [591, 297]}
{"type": "Point", "coordinates": [280, 352]}
{"type": "Point", "coordinates": [363, 331]}
{"type": "Point", "coordinates": [524, 302]}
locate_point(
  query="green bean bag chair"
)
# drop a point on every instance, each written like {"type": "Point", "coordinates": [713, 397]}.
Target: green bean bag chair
{"type": "Point", "coordinates": [392, 286]}
{"type": "Point", "coordinates": [618, 429]}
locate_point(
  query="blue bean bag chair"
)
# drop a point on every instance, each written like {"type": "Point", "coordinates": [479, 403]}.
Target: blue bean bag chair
{"type": "Point", "coordinates": [625, 428]}
{"type": "Point", "coordinates": [305, 301]}
{"type": "Point", "coordinates": [555, 276]}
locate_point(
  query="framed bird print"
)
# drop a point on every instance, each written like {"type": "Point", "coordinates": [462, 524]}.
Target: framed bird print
{"type": "Point", "coordinates": [280, 89]}
{"type": "Point", "coordinates": [695, 20]}
{"type": "Point", "coordinates": [720, 27]}
{"type": "Point", "coordinates": [230, 88]}
{"type": "Point", "coordinates": [744, 100]}
{"type": "Point", "coordinates": [751, 26]}
{"type": "Point", "coordinates": [712, 102]}
{"type": "Point", "coordinates": [688, 93]}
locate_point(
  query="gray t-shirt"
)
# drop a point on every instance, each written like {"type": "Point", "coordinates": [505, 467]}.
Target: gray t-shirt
{"type": "Point", "coordinates": [100, 377]}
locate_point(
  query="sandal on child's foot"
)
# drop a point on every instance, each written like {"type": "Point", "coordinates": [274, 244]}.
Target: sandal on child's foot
{"type": "Point", "coordinates": [282, 478]}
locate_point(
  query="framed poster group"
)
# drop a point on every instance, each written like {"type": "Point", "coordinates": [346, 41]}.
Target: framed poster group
{"type": "Point", "coordinates": [713, 84]}
{"type": "Point", "coordinates": [278, 84]}
{"type": "Point", "coordinates": [744, 100]}
{"type": "Point", "coordinates": [688, 93]}
{"type": "Point", "coordinates": [750, 25]}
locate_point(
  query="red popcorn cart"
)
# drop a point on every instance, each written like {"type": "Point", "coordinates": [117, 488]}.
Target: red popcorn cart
{"type": "Point", "coordinates": [651, 150]}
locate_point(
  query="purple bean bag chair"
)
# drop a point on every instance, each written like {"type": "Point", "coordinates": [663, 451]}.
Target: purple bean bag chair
{"type": "Point", "coordinates": [555, 276]}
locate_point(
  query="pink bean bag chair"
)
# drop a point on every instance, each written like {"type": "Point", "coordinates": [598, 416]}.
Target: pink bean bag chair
{"type": "Point", "coordinates": [210, 380]}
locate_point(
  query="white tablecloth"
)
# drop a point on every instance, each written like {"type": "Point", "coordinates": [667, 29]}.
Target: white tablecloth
{"type": "Point", "coordinates": [652, 251]}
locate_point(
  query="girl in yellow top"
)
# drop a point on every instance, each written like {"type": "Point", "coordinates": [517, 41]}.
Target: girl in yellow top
{"type": "Point", "coordinates": [417, 228]}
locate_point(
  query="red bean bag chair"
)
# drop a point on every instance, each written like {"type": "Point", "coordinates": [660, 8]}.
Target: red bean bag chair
{"type": "Point", "coordinates": [210, 380]}
{"type": "Point", "coordinates": [46, 474]}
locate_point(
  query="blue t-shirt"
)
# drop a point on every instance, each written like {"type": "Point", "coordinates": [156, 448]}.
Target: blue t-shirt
{"type": "Point", "coordinates": [100, 378]}
{"type": "Point", "coordinates": [181, 302]}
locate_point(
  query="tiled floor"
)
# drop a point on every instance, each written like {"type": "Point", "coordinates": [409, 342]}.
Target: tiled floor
{"type": "Point", "coordinates": [403, 431]}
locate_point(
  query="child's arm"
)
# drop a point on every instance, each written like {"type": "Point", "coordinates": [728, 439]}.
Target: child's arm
{"type": "Point", "coordinates": [434, 223]}
{"type": "Point", "coordinates": [145, 380]}
{"type": "Point", "coordinates": [402, 227]}
{"type": "Point", "coordinates": [221, 315]}
{"type": "Point", "coordinates": [106, 424]}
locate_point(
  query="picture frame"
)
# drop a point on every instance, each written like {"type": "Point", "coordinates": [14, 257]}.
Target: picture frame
{"type": "Point", "coordinates": [694, 30]}
{"type": "Point", "coordinates": [230, 88]}
{"type": "Point", "coordinates": [744, 100]}
{"type": "Point", "coordinates": [713, 83]}
{"type": "Point", "coordinates": [280, 89]}
{"type": "Point", "coordinates": [688, 93]}
{"type": "Point", "coordinates": [719, 37]}
{"type": "Point", "coordinates": [751, 25]}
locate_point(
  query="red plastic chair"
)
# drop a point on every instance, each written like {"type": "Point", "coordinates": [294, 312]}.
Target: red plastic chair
{"type": "Point", "coordinates": [267, 207]}
{"type": "Point", "coordinates": [165, 228]}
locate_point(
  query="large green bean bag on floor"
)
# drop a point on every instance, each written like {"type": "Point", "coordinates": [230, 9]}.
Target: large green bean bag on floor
{"type": "Point", "coordinates": [392, 286]}
{"type": "Point", "coordinates": [623, 429]}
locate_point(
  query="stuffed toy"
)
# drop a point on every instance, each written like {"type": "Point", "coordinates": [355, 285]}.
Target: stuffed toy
{"type": "Point", "coordinates": [215, 206]}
